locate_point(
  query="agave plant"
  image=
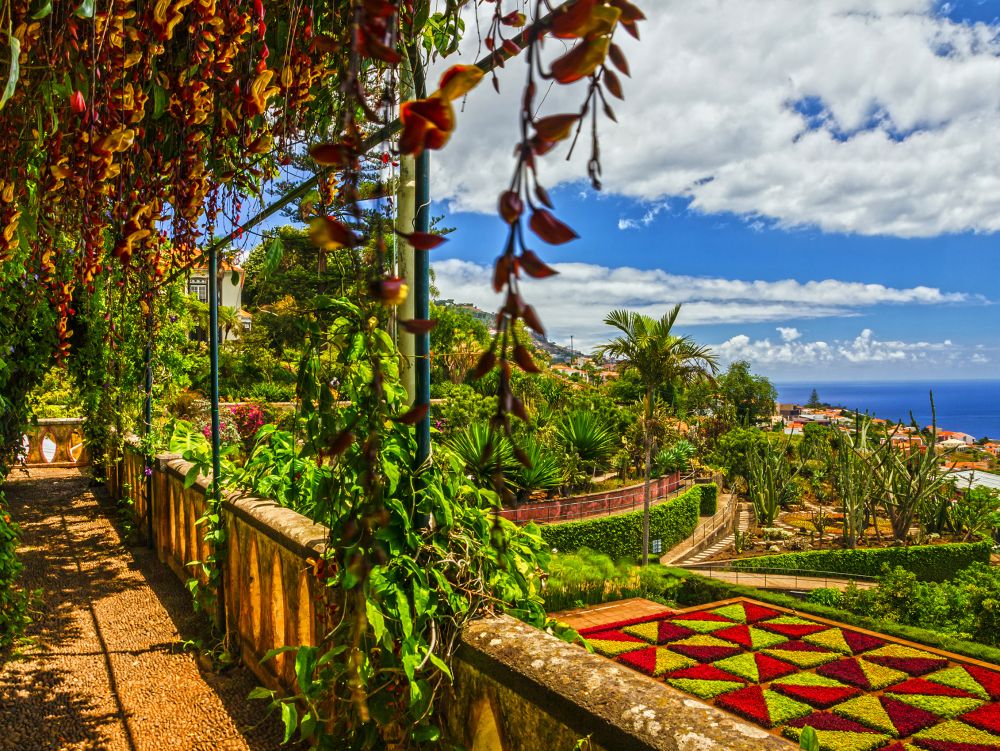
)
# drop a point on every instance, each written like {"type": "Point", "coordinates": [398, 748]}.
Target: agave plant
{"type": "Point", "coordinates": [480, 453]}
{"type": "Point", "coordinates": [543, 473]}
{"type": "Point", "coordinates": [584, 433]}
{"type": "Point", "coordinates": [676, 458]}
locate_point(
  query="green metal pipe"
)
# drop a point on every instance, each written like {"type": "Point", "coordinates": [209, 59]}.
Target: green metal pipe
{"type": "Point", "coordinates": [421, 304]}
{"type": "Point", "coordinates": [213, 354]}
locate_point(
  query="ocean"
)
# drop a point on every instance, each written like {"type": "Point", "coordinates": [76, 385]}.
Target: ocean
{"type": "Point", "coordinates": [969, 406]}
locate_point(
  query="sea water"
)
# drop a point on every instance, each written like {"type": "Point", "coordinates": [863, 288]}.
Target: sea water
{"type": "Point", "coordinates": [969, 406]}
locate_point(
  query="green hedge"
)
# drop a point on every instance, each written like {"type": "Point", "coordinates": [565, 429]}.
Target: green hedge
{"type": "Point", "coordinates": [700, 590]}
{"type": "Point", "coordinates": [620, 536]}
{"type": "Point", "coordinates": [928, 562]}
{"type": "Point", "coordinates": [709, 499]}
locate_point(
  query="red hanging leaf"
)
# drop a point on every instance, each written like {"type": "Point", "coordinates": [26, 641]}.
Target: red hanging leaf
{"type": "Point", "coordinates": [630, 13]}
{"type": "Point", "coordinates": [543, 196]}
{"type": "Point", "coordinates": [617, 57]}
{"type": "Point", "coordinates": [391, 291]}
{"type": "Point", "coordinates": [612, 83]}
{"type": "Point", "coordinates": [524, 359]}
{"type": "Point", "coordinates": [330, 234]}
{"type": "Point", "coordinates": [581, 61]}
{"type": "Point", "coordinates": [487, 361]}
{"type": "Point", "coordinates": [522, 458]}
{"type": "Point", "coordinates": [517, 408]}
{"type": "Point", "coordinates": [568, 20]}
{"type": "Point", "coordinates": [532, 320]}
{"type": "Point", "coordinates": [459, 80]}
{"type": "Point", "coordinates": [418, 325]}
{"type": "Point", "coordinates": [423, 240]}
{"type": "Point", "coordinates": [331, 154]}
{"type": "Point", "coordinates": [341, 443]}
{"type": "Point", "coordinates": [550, 229]}
{"type": "Point", "coordinates": [556, 127]}
{"type": "Point", "coordinates": [414, 415]}
{"type": "Point", "coordinates": [501, 270]}
{"type": "Point", "coordinates": [514, 18]}
{"type": "Point", "coordinates": [510, 47]}
{"type": "Point", "coordinates": [511, 206]}
{"type": "Point", "coordinates": [535, 266]}
{"type": "Point", "coordinates": [427, 124]}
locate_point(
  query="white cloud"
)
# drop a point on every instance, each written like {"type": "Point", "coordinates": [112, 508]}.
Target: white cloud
{"type": "Point", "coordinates": [577, 299]}
{"type": "Point", "coordinates": [864, 349]}
{"type": "Point", "coordinates": [789, 334]}
{"type": "Point", "coordinates": [895, 136]}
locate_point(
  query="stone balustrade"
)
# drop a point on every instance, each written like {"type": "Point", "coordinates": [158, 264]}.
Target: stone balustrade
{"type": "Point", "coordinates": [56, 442]}
{"type": "Point", "coordinates": [516, 688]}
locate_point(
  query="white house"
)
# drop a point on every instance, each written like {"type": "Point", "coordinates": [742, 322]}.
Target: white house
{"type": "Point", "coordinates": [230, 291]}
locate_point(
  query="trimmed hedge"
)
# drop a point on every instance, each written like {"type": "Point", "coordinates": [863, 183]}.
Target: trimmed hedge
{"type": "Point", "coordinates": [620, 536]}
{"type": "Point", "coordinates": [701, 590]}
{"type": "Point", "coordinates": [928, 562]}
{"type": "Point", "coordinates": [709, 499]}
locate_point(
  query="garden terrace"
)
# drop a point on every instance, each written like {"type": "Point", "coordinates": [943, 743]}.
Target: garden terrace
{"type": "Point", "coordinates": [859, 690]}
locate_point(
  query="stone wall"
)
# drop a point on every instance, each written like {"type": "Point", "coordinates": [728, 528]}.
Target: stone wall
{"type": "Point", "coordinates": [593, 504]}
{"type": "Point", "coordinates": [516, 688]}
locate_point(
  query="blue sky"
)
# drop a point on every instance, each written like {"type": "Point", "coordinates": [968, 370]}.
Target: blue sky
{"type": "Point", "coordinates": [789, 158]}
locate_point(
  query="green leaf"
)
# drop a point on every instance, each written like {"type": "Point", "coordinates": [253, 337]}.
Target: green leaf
{"type": "Point", "coordinates": [427, 733]}
{"type": "Point", "coordinates": [289, 716]}
{"type": "Point", "coordinates": [375, 619]}
{"type": "Point", "coordinates": [307, 728]}
{"type": "Point", "coordinates": [86, 9]}
{"type": "Point", "coordinates": [259, 692]}
{"type": "Point", "coordinates": [15, 69]}
{"type": "Point", "coordinates": [234, 278]}
{"type": "Point", "coordinates": [159, 101]}
{"type": "Point", "coordinates": [43, 11]}
{"type": "Point", "coordinates": [305, 660]}
{"type": "Point", "coordinates": [808, 739]}
{"type": "Point", "coordinates": [272, 653]}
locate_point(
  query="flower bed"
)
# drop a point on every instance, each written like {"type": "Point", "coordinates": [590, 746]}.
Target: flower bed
{"type": "Point", "coordinates": [786, 671]}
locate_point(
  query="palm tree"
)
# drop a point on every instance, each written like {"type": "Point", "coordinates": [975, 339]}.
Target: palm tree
{"type": "Point", "coordinates": [650, 347]}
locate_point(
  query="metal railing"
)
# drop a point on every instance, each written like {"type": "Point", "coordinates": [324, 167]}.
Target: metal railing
{"type": "Point", "coordinates": [776, 578]}
{"type": "Point", "coordinates": [558, 510]}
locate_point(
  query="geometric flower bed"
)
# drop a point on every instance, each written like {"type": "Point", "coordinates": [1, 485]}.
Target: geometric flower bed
{"type": "Point", "coordinates": [784, 671]}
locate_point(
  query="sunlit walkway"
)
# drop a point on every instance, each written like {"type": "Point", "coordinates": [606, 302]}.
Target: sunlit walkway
{"type": "Point", "coordinates": [103, 669]}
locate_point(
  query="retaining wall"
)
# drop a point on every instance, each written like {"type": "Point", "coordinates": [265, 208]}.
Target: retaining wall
{"type": "Point", "coordinates": [516, 688]}
{"type": "Point", "coordinates": [592, 504]}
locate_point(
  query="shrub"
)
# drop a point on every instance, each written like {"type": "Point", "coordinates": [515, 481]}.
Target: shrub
{"type": "Point", "coordinates": [709, 499]}
{"type": "Point", "coordinates": [620, 536]}
{"type": "Point", "coordinates": [928, 562]}
{"type": "Point", "coordinates": [13, 598]}
{"type": "Point", "coordinates": [590, 578]}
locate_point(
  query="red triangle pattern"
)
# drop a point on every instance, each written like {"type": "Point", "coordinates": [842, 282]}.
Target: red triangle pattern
{"type": "Point", "coordinates": [613, 636]}
{"type": "Point", "coordinates": [861, 642]}
{"type": "Point", "coordinates": [988, 679]}
{"type": "Point", "coordinates": [756, 612]}
{"type": "Point", "coordinates": [739, 634]}
{"type": "Point", "coordinates": [702, 616]}
{"type": "Point", "coordinates": [747, 702]}
{"type": "Point", "coordinates": [932, 745]}
{"type": "Point", "coordinates": [910, 665]}
{"type": "Point", "coordinates": [986, 717]}
{"type": "Point", "coordinates": [906, 718]}
{"type": "Point", "coordinates": [641, 659]}
{"type": "Point", "coordinates": [705, 673]}
{"type": "Point", "coordinates": [830, 721]}
{"type": "Point", "coordinates": [847, 670]}
{"type": "Point", "coordinates": [704, 653]}
{"type": "Point", "coordinates": [818, 696]}
{"type": "Point", "coordinates": [670, 631]}
{"type": "Point", "coordinates": [928, 688]}
{"type": "Point", "coordinates": [793, 630]}
{"type": "Point", "coordinates": [769, 668]}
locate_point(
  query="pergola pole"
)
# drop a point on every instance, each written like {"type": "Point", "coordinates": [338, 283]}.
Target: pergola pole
{"type": "Point", "coordinates": [147, 419]}
{"type": "Point", "coordinates": [213, 347]}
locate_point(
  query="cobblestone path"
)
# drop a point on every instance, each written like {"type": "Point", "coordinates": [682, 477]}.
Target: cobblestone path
{"type": "Point", "coordinates": [103, 668]}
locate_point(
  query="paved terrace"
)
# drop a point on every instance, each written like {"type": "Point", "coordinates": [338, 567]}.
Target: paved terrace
{"type": "Point", "coordinates": [103, 668]}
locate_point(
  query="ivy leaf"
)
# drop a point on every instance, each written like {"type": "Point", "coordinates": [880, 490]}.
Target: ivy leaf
{"type": "Point", "coordinates": [42, 12]}
{"type": "Point", "coordinates": [86, 9]}
{"type": "Point", "coordinates": [15, 69]}
{"type": "Point", "coordinates": [259, 692]}
{"type": "Point", "coordinates": [808, 739]}
{"type": "Point", "coordinates": [159, 101]}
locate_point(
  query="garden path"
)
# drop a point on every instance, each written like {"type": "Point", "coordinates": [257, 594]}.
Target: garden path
{"type": "Point", "coordinates": [103, 668]}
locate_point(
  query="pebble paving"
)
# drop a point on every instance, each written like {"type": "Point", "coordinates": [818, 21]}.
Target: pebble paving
{"type": "Point", "coordinates": [102, 667]}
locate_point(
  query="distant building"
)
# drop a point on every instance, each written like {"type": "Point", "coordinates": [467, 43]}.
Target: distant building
{"type": "Point", "coordinates": [230, 291]}
{"type": "Point", "coordinates": [788, 411]}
